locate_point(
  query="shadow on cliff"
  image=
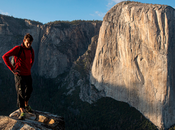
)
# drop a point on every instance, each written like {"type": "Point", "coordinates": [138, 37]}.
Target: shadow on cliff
{"type": "Point", "coordinates": [122, 93]}
{"type": "Point", "coordinates": [169, 104]}
{"type": "Point", "coordinates": [132, 96]}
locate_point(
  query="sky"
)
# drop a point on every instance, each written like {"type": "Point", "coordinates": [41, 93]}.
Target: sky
{"type": "Point", "coordinates": [45, 11]}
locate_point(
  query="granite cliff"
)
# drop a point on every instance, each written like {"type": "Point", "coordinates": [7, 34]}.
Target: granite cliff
{"type": "Point", "coordinates": [134, 60]}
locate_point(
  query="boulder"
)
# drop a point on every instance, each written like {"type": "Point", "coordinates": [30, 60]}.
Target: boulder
{"type": "Point", "coordinates": [34, 121]}
{"type": "Point", "coordinates": [135, 59]}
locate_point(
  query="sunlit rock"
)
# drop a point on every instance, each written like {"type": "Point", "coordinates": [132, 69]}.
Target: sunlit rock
{"type": "Point", "coordinates": [135, 59]}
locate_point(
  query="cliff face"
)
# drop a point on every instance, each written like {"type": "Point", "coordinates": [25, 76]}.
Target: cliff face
{"type": "Point", "coordinates": [134, 60]}
{"type": "Point", "coordinates": [61, 45]}
{"type": "Point", "coordinates": [79, 75]}
{"type": "Point", "coordinates": [56, 46]}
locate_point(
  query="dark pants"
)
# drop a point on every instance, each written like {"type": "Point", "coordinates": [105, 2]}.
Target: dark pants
{"type": "Point", "coordinates": [23, 89]}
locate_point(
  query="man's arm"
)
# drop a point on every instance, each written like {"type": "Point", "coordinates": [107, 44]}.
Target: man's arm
{"type": "Point", "coordinates": [13, 52]}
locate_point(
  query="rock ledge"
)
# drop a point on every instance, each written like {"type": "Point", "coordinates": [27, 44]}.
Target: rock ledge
{"type": "Point", "coordinates": [37, 120]}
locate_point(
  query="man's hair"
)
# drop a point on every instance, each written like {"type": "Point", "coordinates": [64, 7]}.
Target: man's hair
{"type": "Point", "coordinates": [28, 37]}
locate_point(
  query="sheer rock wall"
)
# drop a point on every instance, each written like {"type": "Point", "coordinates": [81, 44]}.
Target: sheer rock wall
{"type": "Point", "coordinates": [135, 59]}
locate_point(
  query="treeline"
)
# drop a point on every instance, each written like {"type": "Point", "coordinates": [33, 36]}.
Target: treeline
{"type": "Point", "coordinates": [72, 22]}
{"type": "Point", "coordinates": [19, 19]}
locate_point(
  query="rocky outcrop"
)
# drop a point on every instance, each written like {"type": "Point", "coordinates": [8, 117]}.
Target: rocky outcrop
{"type": "Point", "coordinates": [56, 46]}
{"type": "Point", "coordinates": [134, 60]}
{"type": "Point", "coordinates": [79, 75]}
{"type": "Point", "coordinates": [34, 121]}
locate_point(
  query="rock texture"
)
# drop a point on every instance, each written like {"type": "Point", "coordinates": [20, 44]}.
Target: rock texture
{"type": "Point", "coordinates": [60, 47]}
{"type": "Point", "coordinates": [134, 60]}
{"type": "Point", "coordinates": [56, 45]}
{"type": "Point", "coordinates": [34, 121]}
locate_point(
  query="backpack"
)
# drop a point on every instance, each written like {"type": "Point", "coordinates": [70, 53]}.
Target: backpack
{"type": "Point", "coordinates": [19, 53]}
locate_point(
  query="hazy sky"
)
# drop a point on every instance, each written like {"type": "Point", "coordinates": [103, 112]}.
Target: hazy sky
{"type": "Point", "coordinates": [51, 10]}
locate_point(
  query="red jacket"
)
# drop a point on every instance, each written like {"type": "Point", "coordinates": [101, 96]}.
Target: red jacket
{"type": "Point", "coordinates": [24, 62]}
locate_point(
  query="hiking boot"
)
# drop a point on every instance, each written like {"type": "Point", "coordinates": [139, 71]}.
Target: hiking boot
{"type": "Point", "coordinates": [28, 109]}
{"type": "Point", "coordinates": [22, 116]}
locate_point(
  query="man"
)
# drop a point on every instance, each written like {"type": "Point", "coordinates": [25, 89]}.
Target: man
{"type": "Point", "coordinates": [23, 58]}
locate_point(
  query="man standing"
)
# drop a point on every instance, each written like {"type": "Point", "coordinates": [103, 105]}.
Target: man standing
{"type": "Point", "coordinates": [23, 59]}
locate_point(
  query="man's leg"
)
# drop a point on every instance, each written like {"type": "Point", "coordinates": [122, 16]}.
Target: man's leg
{"type": "Point", "coordinates": [22, 110]}
{"type": "Point", "coordinates": [28, 91]}
{"type": "Point", "coordinates": [20, 89]}
{"type": "Point", "coordinates": [22, 115]}
{"type": "Point", "coordinates": [26, 103]}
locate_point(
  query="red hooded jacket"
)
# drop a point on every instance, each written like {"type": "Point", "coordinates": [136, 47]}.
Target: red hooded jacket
{"type": "Point", "coordinates": [24, 62]}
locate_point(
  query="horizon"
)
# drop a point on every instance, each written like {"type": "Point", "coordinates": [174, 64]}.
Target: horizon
{"type": "Point", "coordinates": [46, 11]}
